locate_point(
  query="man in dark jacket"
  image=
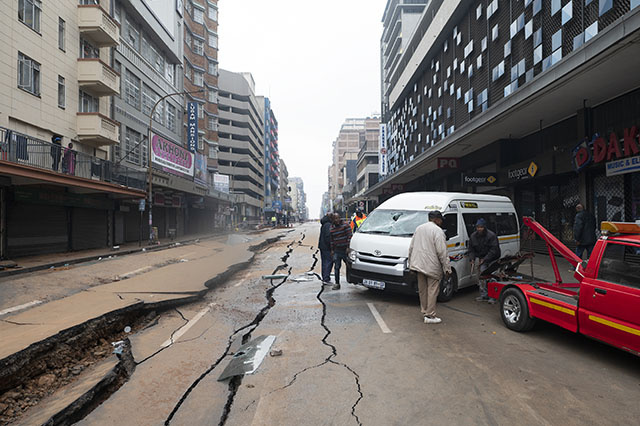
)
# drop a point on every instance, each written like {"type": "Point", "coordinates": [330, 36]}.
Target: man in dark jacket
{"type": "Point", "coordinates": [484, 249]}
{"type": "Point", "coordinates": [324, 244]}
{"type": "Point", "coordinates": [340, 239]}
{"type": "Point", "coordinates": [584, 231]}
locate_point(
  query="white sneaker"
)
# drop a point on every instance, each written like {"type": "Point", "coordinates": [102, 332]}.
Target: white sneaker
{"type": "Point", "coordinates": [432, 320]}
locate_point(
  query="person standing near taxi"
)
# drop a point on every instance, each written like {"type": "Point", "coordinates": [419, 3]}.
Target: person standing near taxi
{"type": "Point", "coordinates": [357, 220]}
{"type": "Point", "coordinates": [428, 257]}
{"type": "Point", "coordinates": [340, 239]}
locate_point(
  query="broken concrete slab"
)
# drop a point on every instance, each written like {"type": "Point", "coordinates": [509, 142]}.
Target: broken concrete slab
{"type": "Point", "coordinates": [248, 357]}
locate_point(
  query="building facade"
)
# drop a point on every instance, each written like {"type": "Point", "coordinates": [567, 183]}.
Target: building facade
{"type": "Point", "coordinates": [61, 189]}
{"type": "Point", "coordinates": [241, 140]}
{"type": "Point", "coordinates": [534, 100]}
{"type": "Point", "coordinates": [298, 199]}
{"type": "Point", "coordinates": [273, 202]}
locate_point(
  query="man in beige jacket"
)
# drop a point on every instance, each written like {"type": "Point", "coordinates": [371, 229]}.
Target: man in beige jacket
{"type": "Point", "coordinates": [429, 259]}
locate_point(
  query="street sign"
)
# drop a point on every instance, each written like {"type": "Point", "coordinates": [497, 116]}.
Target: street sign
{"type": "Point", "coordinates": [192, 126]}
{"type": "Point", "coordinates": [142, 205]}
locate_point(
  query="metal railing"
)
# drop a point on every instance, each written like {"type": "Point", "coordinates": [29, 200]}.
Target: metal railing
{"type": "Point", "coordinates": [22, 149]}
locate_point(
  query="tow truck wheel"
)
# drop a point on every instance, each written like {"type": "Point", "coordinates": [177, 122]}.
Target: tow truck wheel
{"type": "Point", "coordinates": [448, 287]}
{"type": "Point", "coordinates": [515, 311]}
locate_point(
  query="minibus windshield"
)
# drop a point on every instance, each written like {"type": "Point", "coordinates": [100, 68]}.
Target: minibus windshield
{"type": "Point", "coordinates": [396, 223]}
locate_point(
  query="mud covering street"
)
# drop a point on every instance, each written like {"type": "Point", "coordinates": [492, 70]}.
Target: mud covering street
{"type": "Point", "coordinates": [352, 357]}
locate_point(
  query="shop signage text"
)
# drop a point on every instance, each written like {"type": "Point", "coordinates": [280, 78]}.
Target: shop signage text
{"type": "Point", "coordinates": [479, 179]}
{"type": "Point", "coordinates": [383, 157]}
{"type": "Point", "coordinates": [626, 165]}
{"type": "Point", "coordinates": [192, 126]}
{"type": "Point", "coordinates": [448, 163]}
{"type": "Point", "coordinates": [523, 172]}
{"type": "Point", "coordinates": [599, 150]}
{"type": "Point", "coordinates": [200, 169]}
{"type": "Point", "coordinates": [221, 183]}
{"type": "Point", "coordinates": [171, 157]}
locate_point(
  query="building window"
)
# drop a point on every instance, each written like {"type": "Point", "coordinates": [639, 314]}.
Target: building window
{"type": "Point", "coordinates": [170, 73]}
{"type": "Point", "coordinates": [171, 117]}
{"type": "Point", "coordinates": [134, 150]}
{"type": "Point", "coordinates": [213, 68]}
{"type": "Point", "coordinates": [213, 40]}
{"type": "Point", "coordinates": [200, 142]}
{"type": "Point", "coordinates": [213, 96]}
{"type": "Point", "coordinates": [28, 74]}
{"type": "Point", "coordinates": [61, 37]}
{"type": "Point", "coordinates": [198, 15]}
{"type": "Point", "coordinates": [198, 46]}
{"type": "Point", "coordinates": [29, 12]}
{"type": "Point", "coordinates": [198, 78]}
{"type": "Point", "coordinates": [188, 72]}
{"type": "Point", "coordinates": [213, 153]}
{"type": "Point", "coordinates": [133, 35]}
{"type": "Point", "coordinates": [62, 95]}
{"type": "Point", "coordinates": [213, 123]}
{"type": "Point", "coordinates": [149, 98]}
{"type": "Point", "coordinates": [213, 12]}
{"type": "Point", "coordinates": [132, 90]}
{"type": "Point", "coordinates": [87, 50]}
{"type": "Point", "coordinates": [88, 103]}
{"type": "Point", "coordinates": [200, 111]}
{"type": "Point", "coordinates": [117, 11]}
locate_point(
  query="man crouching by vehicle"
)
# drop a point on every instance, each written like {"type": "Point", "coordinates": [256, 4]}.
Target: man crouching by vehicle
{"type": "Point", "coordinates": [484, 249]}
{"type": "Point", "coordinates": [428, 257]}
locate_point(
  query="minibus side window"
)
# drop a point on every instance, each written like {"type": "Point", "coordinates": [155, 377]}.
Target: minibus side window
{"type": "Point", "coordinates": [507, 224]}
{"type": "Point", "coordinates": [470, 220]}
{"type": "Point", "coordinates": [450, 225]}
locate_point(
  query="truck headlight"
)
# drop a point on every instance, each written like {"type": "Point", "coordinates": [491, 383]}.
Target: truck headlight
{"type": "Point", "coordinates": [352, 255]}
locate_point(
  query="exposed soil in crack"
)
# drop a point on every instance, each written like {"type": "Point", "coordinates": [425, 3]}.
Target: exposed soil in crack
{"type": "Point", "coordinates": [236, 382]}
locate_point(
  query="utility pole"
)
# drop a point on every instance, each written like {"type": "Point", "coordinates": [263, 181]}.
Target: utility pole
{"type": "Point", "coordinates": [149, 162]}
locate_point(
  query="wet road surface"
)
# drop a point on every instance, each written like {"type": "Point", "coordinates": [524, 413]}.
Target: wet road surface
{"type": "Point", "coordinates": [357, 356]}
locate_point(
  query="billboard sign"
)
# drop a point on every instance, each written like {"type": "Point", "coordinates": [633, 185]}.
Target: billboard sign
{"type": "Point", "coordinates": [221, 183]}
{"type": "Point", "coordinates": [383, 156]}
{"type": "Point", "coordinates": [192, 126]}
{"type": "Point", "coordinates": [171, 158]}
{"type": "Point", "coordinates": [448, 163]}
{"type": "Point", "coordinates": [200, 169]}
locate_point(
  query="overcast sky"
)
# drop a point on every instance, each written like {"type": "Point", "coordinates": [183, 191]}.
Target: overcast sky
{"type": "Point", "coordinates": [318, 62]}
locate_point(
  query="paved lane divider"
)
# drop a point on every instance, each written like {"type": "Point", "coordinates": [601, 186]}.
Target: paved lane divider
{"type": "Point", "coordinates": [20, 307]}
{"type": "Point", "coordinates": [378, 317]}
{"type": "Point", "coordinates": [187, 326]}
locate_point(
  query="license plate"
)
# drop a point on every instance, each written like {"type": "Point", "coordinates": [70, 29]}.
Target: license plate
{"type": "Point", "coordinates": [373, 284]}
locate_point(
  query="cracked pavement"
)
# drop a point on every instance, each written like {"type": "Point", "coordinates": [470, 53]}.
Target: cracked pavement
{"type": "Point", "coordinates": [338, 367]}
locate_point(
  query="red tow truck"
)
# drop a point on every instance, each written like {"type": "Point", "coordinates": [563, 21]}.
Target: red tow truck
{"type": "Point", "coordinates": [604, 304]}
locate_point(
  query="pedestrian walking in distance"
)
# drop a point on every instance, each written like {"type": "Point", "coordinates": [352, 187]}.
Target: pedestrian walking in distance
{"type": "Point", "coordinates": [324, 244]}
{"type": "Point", "coordinates": [340, 238]}
{"type": "Point", "coordinates": [429, 259]}
{"type": "Point", "coordinates": [584, 231]}
{"type": "Point", "coordinates": [484, 249]}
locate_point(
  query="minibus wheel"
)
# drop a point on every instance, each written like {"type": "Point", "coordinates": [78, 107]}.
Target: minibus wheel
{"type": "Point", "coordinates": [448, 287]}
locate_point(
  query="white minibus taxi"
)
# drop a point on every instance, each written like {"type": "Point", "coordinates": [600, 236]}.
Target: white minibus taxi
{"type": "Point", "coordinates": [379, 249]}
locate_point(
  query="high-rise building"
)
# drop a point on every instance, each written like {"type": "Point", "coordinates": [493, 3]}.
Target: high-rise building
{"type": "Point", "coordinates": [399, 21]}
{"type": "Point", "coordinates": [298, 199]}
{"type": "Point", "coordinates": [61, 189]}
{"type": "Point", "coordinates": [367, 163]}
{"type": "Point", "coordinates": [273, 203]}
{"type": "Point", "coordinates": [241, 139]}
{"type": "Point", "coordinates": [283, 191]}
{"type": "Point", "coordinates": [536, 100]}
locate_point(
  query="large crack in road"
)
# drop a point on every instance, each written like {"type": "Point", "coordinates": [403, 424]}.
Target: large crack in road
{"type": "Point", "coordinates": [235, 382]}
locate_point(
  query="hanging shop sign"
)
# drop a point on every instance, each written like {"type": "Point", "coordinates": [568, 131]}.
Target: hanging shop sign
{"type": "Point", "coordinates": [523, 173]}
{"type": "Point", "coordinates": [171, 157]}
{"type": "Point", "coordinates": [200, 169]}
{"type": "Point", "coordinates": [448, 163]}
{"type": "Point", "coordinates": [480, 179]}
{"type": "Point", "coordinates": [600, 149]}
{"type": "Point", "coordinates": [192, 126]}
{"type": "Point", "coordinates": [221, 183]}
{"type": "Point", "coordinates": [383, 156]}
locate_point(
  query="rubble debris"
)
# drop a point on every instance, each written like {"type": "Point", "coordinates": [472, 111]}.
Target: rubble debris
{"type": "Point", "coordinates": [276, 352]}
{"type": "Point", "coordinates": [118, 347]}
{"type": "Point", "coordinates": [248, 357]}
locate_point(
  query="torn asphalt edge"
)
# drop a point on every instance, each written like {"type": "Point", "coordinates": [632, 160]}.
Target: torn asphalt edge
{"type": "Point", "coordinates": [235, 382]}
{"type": "Point", "coordinates": [110, 322]}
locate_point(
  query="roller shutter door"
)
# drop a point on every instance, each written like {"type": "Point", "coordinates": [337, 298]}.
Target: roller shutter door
{"type": "Point", "coordinates": [36, 229]}
{"type": "Point", "coordinates": [88, 229]}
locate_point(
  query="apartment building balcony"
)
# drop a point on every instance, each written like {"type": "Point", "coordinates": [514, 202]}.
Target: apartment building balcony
{"type": "Point", "coordinates": [98, 78]}
{"type": "Point", "coordinates": [96, 129]}
{"type": "Point", "coordinates": [96, 25]}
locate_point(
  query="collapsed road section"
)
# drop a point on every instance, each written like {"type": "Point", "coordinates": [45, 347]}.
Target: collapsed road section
{"type": "Point", "coordinates": [29, 375]}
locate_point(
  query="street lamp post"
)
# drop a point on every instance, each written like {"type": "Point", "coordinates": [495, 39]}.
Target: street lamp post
{"type": "Point", "coordinates": [149, 165]}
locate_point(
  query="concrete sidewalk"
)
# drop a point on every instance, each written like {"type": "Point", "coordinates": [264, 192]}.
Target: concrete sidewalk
{"type": "Point", "coordinates": [26, 332]}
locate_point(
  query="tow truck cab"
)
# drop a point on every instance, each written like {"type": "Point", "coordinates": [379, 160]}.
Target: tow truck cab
{"type": "Point", "coordinates": [603, 304]}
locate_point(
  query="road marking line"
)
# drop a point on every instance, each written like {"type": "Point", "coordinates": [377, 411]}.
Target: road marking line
{"type": "Point", "coordinates": [379, 320]}
{"type": "Point", "coordinates": [187, 326]}
{"type": "Point", "coordinates": [20, 307]}
{"type": "Point", "coordinates": [188, 254]}
{"type": "Point", "coordinates": [243, 280]}
{"type": "Point", "coordinates": [137, 271]}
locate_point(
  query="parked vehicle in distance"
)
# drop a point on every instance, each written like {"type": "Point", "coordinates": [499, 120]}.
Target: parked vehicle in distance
{"type": "Point", "coordinates": [605, 302]}
{"type": "Point", "coordinates": [379, 249]}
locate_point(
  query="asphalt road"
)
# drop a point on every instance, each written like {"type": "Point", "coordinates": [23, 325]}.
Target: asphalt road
{"type": "Point", "coordinates": [342, 366]}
